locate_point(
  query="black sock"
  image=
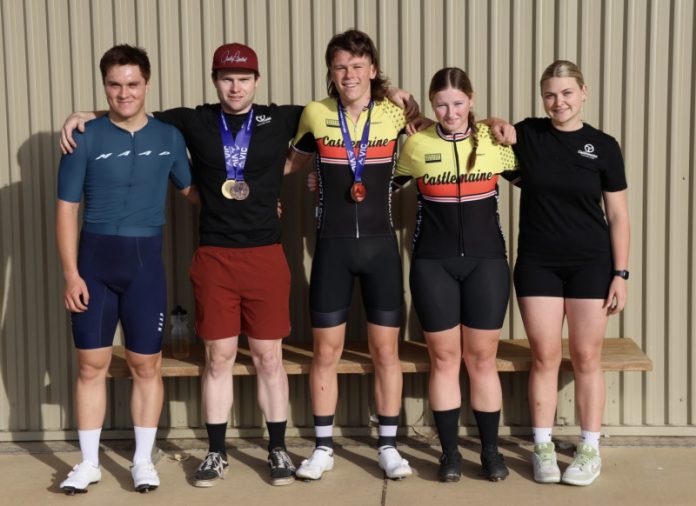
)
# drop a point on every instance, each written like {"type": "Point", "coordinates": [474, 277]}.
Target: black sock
{"type": "Point", "coordinates": [447, 423]}
{"type": "Point", "coordinates": [276, 434]}
{"type": "Point", "coordinates": [216, 437]}
{"type": "Point", "coordinates": [324, 421]}
{"type": "Point", "coordinates": [488, 429]}
{"type": "Point", "coordinates": [387, 424]}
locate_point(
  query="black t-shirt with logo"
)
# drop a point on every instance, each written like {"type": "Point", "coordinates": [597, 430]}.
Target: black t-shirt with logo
{"type": "Point", "coordinates": [563, 176]}
{"type": "Point", "coordinates": [237, 223]}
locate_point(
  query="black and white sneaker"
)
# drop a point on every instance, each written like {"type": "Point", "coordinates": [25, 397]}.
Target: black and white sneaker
{"type": "Point", "coordinates": [282, 468]}
{"type": "Point", "coordinates": [213, 467]}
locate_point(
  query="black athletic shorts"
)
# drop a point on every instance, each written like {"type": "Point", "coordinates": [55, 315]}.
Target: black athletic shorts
{"type": "Point", "coordinates": [582, 280]}
{"type": "Point", "coordinates": [460, 290]}
{"type": "Point", "coordinates": [337, 261]}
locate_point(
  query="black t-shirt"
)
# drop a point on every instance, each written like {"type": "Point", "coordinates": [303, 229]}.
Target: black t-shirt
{"type": "Point", "coordinates": [563, 177]}
{"type": "Point", "coordinates": [237, 223]}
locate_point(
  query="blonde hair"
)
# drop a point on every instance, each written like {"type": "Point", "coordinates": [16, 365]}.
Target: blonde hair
{"type": "Point", "coordinates": [563, 68]}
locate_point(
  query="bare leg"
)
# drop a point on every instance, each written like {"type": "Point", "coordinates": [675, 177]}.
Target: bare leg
{"type": "Point", "coordinates": [445, 352]}
{"type": "Point", "coordinates": [148, 391]}
{"type": "Point", "coordinates": [479, 349]}
{"type": "Point", "coordinates": [216, 382]}
{"type": "Point", "coordinates": [587, 323]}
{"type": "Point", "coordinates": [271, 378]}
{"type": "Point", "coordinates": [543, 322]}
{"type": "Point", "coordinates": [383, 345]}
{"type": "Point", "coordinates": [323, 381]}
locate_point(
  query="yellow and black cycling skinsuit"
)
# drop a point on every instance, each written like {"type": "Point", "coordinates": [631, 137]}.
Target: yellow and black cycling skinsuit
{"type": "Point", "coordinates": [355, 239]}
{"type": "Point", "coordinates": [459, 273]}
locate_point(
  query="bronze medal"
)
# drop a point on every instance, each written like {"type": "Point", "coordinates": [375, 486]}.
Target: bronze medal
{"type": "Point", "coordinates": [358, 192]}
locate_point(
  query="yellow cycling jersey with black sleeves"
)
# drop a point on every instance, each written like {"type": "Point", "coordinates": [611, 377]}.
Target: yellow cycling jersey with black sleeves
{"type": "Point", "coordinates": [457, 208]}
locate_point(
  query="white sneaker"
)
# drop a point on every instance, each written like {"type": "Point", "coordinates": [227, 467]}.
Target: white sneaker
{"type": "Point", "coordinates": [585, 467]}
{"type": "Point", "coordinates": [545, 464]}
{"type": "Point", "coordinates": [82, 475]}
{"type": "Point", "coordinates": [392, 464]}
{"type": "Point", "coordinates": [322, 460]}
{"type": "Point", "coordinates": [145, 477]}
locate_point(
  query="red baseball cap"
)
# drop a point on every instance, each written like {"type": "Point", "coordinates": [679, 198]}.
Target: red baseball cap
{"type": "Point", "coordinates": [235, 56]}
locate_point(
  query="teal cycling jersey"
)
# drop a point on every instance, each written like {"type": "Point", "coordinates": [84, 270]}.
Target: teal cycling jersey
{"type": "Point", "coordinates": [123, 176]}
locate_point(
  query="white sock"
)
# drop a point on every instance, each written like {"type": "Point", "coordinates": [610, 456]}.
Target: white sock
{"type": "Point", "coordinates": [144, 442]}
{"type": "Point", "coordinates": [542, 434]}
{"type": "Point", "coordinates": [89, 445]}
{"type": "Point", "coordinates": [590, 438]}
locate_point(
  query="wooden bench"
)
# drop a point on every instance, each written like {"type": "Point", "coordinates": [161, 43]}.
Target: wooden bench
{"type": "Point", "coordinates": [618, 354]}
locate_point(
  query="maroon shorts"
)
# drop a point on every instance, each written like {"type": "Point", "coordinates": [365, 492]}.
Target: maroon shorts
{"type": "Point", "coordinates": [241, 290]}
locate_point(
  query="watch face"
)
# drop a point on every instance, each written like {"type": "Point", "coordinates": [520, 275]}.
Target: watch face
{"type": "Point", "coordinates": [621, 274]}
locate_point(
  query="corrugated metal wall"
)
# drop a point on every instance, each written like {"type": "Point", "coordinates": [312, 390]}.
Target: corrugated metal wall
{"type": "Point", "coordinates": [637, 56]}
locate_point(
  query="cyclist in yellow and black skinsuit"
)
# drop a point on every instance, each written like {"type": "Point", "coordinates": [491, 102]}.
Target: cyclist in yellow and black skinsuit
{"type": "Point", "coordinates": [354, 134]}
{"type": "Point", "coordinates": [341, 220]}
{"type": "Point", "coordinates": [460, 282]}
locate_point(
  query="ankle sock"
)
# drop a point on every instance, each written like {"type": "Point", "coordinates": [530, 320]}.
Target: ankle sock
{"type": "Point", "coordinates": [89, 445]}
{"type": "Point", "coordinates": [387, 430]}
{"type": "Point", "coordinates": [323, 431]}
{"type": "Point", "coordinates": [216, 437]}
{"type": "Point", "coordinates": [144, 442]}
{"type": "Point", "coordinates": [276, 434]}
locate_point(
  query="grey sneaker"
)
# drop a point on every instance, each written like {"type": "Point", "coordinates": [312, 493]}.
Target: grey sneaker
{"type": "Point", "coordinates": [212, 468]}
{"type": "Point", "coordinates": [545, 465]}
{"type": "Point", "coordinates": [282, 468]}
{"type": "Point", "coordinates": [585, 467]}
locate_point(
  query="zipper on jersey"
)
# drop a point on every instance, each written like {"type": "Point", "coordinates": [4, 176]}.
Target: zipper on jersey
{"type": "Point", "coordinates": [355, 204]}
{"type": "Point", "coordinates": [459, 201]}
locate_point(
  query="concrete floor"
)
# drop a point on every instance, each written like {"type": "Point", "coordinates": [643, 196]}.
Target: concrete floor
{"type": "Point", "coordinates": [636, 471]}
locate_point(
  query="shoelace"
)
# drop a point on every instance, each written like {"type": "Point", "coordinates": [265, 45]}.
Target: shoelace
{"type": "Point", "coordinates": [280, 459]}
{"type": "Point", "coordinates": [212, 461]}
{"type": "Point", "coordinates": [581, 460]}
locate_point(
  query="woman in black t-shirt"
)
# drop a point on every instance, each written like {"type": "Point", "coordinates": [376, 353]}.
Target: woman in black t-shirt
{"type": "Point", "coordinates": [572, 261]}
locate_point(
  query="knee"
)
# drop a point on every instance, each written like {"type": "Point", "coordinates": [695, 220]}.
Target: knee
{"type": "Point", "coordinates": [586, 362]}
{"type": "Point", "coordinates": [445, 361]}
{"type": "Point", "coordinates": [386, 356]}
{"type": "Point", "coordinates": [268, 364]}
{"type": "Point", "coordinates": [481, 364]}
{"type": "Point", "coordinates": [146, 370]}
{"type": "Point", "coordinates": [219, 364]}
{"type": "Point", "coordinates": [89, 372]}
{"type": "Point", "coordinates": [326, 355]}
{"type": "Point", "coordinates": [546, 360]}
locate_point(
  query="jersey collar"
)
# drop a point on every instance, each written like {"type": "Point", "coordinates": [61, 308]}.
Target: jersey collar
{"type": "Point", "coordinates": [452, 137]}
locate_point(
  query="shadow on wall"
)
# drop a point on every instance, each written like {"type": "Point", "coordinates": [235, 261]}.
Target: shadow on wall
{"type": "Point", "coordinates": [36, 358]}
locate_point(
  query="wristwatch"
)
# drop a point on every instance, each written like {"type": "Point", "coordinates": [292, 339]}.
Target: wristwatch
{"type": "Point", "coordinates": [621, 274]}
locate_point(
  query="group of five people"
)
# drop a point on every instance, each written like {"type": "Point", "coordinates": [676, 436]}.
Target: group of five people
{"type": "Point", "coordinates": [572, 255]}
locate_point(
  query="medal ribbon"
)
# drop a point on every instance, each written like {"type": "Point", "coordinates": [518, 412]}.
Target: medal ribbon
{"type": "Point", "coordinates": [236, 148]}
{"type": "Point", "coordinates": [357, 164]}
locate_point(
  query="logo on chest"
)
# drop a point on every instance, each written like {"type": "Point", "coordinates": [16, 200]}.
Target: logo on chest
{"type": "Point", "coordinates": [588, 151]}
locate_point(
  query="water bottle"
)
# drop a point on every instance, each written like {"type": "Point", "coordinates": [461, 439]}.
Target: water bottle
{"type": "Point", "coordinates": [179, 333]}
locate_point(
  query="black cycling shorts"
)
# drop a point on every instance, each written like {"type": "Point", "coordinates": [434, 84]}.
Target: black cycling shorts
{"type": "Point", "coordinates": [337, 261]}
{"type": "Point", "coordinates": [583, 280]}
{"type": "Point", "coordinates": [460, 290]}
